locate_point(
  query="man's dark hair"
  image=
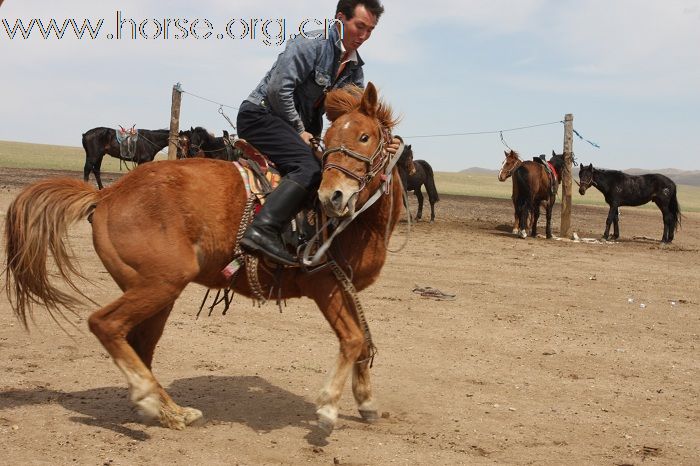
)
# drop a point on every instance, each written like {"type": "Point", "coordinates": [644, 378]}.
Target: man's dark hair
{"type": "Point", "coordinates": [347, 7]}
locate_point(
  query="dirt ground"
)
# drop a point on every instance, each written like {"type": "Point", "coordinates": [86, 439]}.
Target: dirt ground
{"type": "Point", "coordinates": [552, 352]}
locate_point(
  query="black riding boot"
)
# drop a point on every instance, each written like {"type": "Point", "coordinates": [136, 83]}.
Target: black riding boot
{"type": "Point", "coordinates": [263, 236]}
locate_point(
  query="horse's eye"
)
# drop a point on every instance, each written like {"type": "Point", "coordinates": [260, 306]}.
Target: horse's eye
{"type": "Point", "coordinates": [364, 138]}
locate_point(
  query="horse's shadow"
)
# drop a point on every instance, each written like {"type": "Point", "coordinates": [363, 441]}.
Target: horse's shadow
{"type": "Point", "coordinates": [248, 400]}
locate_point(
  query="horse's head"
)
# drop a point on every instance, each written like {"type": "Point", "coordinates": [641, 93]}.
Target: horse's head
{"type": "Point", "coordinates": [355, 155]}
{"type": "Point", "coordinates": [511, 162]}
{"type": "Point", "coordinates": [585, 178]}
{"type": "Point", "coordinates": [405, 162]}
{"type": "Point", "coordinates": [183, 144]}
{"type": "Point", "coordinates": [199, 138]}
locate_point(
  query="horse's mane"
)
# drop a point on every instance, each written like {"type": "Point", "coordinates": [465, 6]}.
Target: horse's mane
{"type": "Point", "coordinates": [348, 98]}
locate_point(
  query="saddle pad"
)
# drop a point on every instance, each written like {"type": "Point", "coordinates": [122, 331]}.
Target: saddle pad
{"type": "Point", "coordinates": [253, 185]}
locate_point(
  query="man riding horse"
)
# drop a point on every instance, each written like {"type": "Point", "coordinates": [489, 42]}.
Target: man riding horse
{"type": "Point", "coordinates": [284, 114]}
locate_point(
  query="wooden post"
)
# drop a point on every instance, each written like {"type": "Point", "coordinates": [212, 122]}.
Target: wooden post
{"type": "Point", "coordinates": [174, 122]}
{"type": "Point", "coordinates": [566, 177]}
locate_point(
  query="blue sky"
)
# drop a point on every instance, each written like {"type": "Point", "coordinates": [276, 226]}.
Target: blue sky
{"type": "Point", "coordinates": [628, 70]}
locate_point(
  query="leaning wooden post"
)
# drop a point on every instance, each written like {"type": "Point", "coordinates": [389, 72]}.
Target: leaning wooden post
{"type": "Point", "coordinates": [565, 230]}
{"type": "Point", "coordinates": [174, 122]}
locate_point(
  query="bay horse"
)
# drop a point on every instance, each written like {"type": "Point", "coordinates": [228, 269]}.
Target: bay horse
{"type": "Point", "coordinates": [191, 211]}
{"type": "Point", "coordinates": [414, 175]}
{"type": "Point", "coordinates": [101, 140]}
{"type": "Point", "coordinates": [511, 162]}
{"type": "Point", "coordinates": [534, 188]}
{"type": "Point", "coordinates": [621, 189]}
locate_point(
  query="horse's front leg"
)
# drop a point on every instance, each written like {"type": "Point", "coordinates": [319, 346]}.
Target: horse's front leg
{"type": "Point", "coordinates": [329, 297]}
{"type": "Point", "coordinates": [362, 387]}
{"type": "Point", "coordinates": [419, 196]}
{"type": "Point", "coordinates": [516, 216]}
{"type": "Point", "coordinates": [616, 224]}
{"type": "Point", "coordinates": [535, 217]}
{"type": "Point", "coordinates": [549, 208]}
{"type": "Point", "coordinates": [609, 220]}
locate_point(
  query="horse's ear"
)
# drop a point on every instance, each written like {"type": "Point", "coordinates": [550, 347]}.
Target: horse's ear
{"type": "Point", "coordinates": [368, 106]}
{"type": "Point", "coordinates": [409, 147]}
{"type": "Point", "coordinates": [553, 153]}
{"type": "Point", "coordinates": [506, 152]}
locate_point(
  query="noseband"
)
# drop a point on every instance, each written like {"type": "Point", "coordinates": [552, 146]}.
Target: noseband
{"type": "Point", "coordinates": [375, 162]}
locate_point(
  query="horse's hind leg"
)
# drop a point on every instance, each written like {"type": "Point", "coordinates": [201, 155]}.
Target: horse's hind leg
{"type": "Point", "coordinates": [137, 317]}
{"type": "Point", "coordinates": [432, 209]}
{"type": "Point", "coordinates": [668, 225]}
{"type": "Point", "coordinates": [616, 224]}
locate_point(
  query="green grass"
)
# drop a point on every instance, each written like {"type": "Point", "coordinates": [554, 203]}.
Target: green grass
{"type": "Point", "coordinates": [26, 155]}
{"type": "Point", "coordinates": [465, 184]}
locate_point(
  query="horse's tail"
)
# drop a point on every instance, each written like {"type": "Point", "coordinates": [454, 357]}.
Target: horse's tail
{"type": "Point", "coordinates": [36, 223]}
{"type": "Point", "coordinates": [675, 210]}
{"type": "Point", "coordinates": [430, 181]}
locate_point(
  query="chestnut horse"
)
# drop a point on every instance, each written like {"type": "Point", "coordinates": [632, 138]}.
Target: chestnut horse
{"type": "Point", "coordinates": [534, 188]}
{"type": "Point", "coordinates": [191, 211]}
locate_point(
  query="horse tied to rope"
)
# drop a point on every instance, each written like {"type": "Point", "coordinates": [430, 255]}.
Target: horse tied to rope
{"type": "Point", "coordinates": [621, 189]}
{"type": "Point", "coordinates": [201, 143]}
{"type": "Point", "coordinates": [414, 175]}
{"type": "Point", "coordinates": [192, 211]}
{"type": "Point", "coordinates": [100, 141]}
{"type": "Point", "coordinates": [535, 183]}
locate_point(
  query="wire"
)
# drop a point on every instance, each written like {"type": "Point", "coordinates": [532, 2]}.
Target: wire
{"type": "Point", "coordinates": [482, 132]}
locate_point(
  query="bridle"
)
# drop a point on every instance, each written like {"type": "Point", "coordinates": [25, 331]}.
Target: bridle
{"type": "Point", "coordinates": [517, 163]}
{"type": "Point", "coordinates": [375, 162]}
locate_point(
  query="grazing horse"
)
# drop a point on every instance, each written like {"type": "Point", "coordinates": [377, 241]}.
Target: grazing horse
{"type": "Point", "coordinates": [535, 187]}
{"type": "Point", "coordinates": [100, 141]}
{"type": "Point", "coordinates": [190, 211]}
{"type": "Point", "coordinates": [414, 175]}
{"type": "Point", "coordinates": [621, 189]}
{"type": "Point", "coordinates": [212, 147]}
{"type": "Point", "coordinates": [511, 162]}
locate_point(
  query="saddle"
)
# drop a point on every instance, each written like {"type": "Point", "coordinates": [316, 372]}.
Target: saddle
{"type": "Point", "coordinates": [551, 173]}
{"type": "Point", "coordinates": [261, 177]}
{"type": "Point", "coordinates": [127, 139]}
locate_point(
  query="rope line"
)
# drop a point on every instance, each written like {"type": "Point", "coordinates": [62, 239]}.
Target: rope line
{"type": "Point", "coordinates": [498, 131]}
{"type": "Point", "coordinates": [209, 100]}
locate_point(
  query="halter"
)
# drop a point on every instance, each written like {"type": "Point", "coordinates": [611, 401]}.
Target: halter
{"type": "Point", "coordinates": [375, 162]}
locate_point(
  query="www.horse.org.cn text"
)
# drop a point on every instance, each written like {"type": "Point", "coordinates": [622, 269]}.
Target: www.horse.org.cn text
{"type": "Point", "coordinates": [271, 32]}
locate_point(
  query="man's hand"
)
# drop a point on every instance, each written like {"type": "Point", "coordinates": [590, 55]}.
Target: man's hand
{"type": "Point", "coordinates": [393, 146]}
{"type": "Point", "coordinates": [306, 137]}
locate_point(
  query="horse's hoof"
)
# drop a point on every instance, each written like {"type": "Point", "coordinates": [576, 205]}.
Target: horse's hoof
{"type": "Point", "coordinates": [523, 234]}
{"type": "Point", "coordinates": [326, 419]}
{"type": "Point", "coordinates": [369, 415]}
{"type": "Point", "coordinates": [192, 415]}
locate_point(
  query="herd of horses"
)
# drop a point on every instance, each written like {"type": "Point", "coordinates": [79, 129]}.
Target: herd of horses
{"type": "Point", "coordinates": [535, 184]}
{"type": "Point", "coordinates": [192, 211]}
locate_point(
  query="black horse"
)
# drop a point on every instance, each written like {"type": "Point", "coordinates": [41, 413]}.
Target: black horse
{"type": "Point", "coordinates": [203, 143]}
{"type": "Point", "coordinates": [100, 141]}
{"type": "Point", "coordinates": [621, 189]}
{"type": "Point", "coordinates": [415, 174]}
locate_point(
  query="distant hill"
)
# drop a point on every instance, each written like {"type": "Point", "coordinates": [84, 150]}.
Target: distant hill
{"type": "Point", "coordinates": [686, 177]}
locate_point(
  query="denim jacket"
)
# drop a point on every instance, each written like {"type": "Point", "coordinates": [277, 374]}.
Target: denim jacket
{"type": "Point", "coordinates": [296, 84]}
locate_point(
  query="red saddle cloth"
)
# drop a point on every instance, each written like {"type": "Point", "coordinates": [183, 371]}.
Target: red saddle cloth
{"type": "Point", "coordinates": [250, 152]}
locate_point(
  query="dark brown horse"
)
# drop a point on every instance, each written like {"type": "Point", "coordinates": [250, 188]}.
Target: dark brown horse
{"type": "Point", "coordinates": [532, 187]}
{"type": "Point", "coordinates": [190, 211]}
{"type": "Point", "coordinates": [100, 141]}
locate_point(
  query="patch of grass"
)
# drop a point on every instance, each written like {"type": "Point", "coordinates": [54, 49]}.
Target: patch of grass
{"type": "Point", "coordinates": [27, 155]}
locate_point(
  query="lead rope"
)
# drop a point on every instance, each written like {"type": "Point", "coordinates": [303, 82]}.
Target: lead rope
{"type": "Point", "coordinates": [249, 261]}
{"type": "Point", "coordinates": [351, 292]}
